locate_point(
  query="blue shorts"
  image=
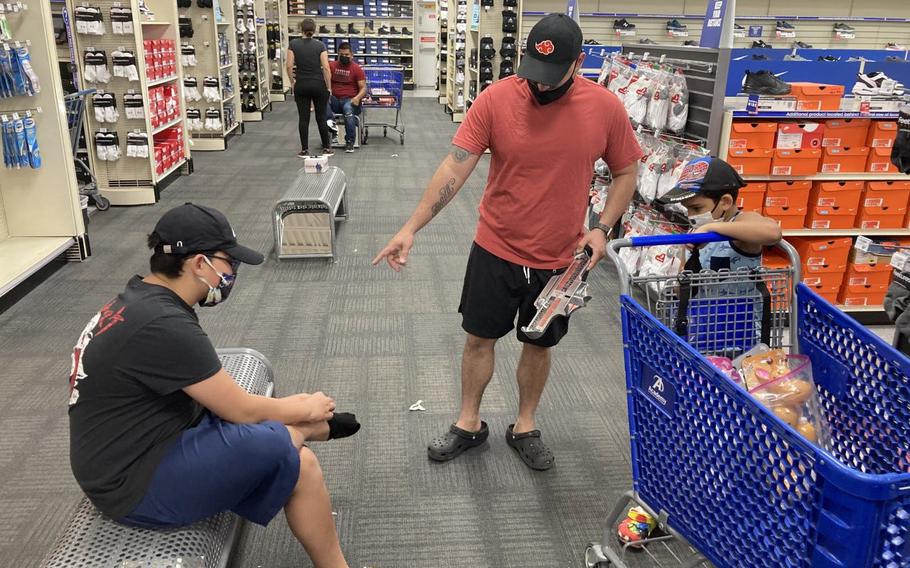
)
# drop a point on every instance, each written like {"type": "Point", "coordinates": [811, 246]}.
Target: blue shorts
{"type": "Point", "coordinates": [218, 466]}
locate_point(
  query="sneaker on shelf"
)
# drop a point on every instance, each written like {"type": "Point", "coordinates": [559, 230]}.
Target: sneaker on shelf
{"type": "Point", "coordinates": [637, 526]}
{"type": "Point", "coordinates": [890, 46]}
{"type": "Point", "coordinates": [405, 31]}
{"type": "Point", "coordinates": [765, 83]}
{"type": "Point", "coordinates": [394, 31]}
{"type": "Point", "coordinates": [760, 44]}
{"type": "Point", "coordinates": [324, 30]}
{"type": "Point", "coordinates": [674, 25]}
{"type": "Point", "coordinates": [647, 41]}
{"type": "Point", "coordinates": [895, 59]}
{"type": "Point", "coordinates": [352, 30]}
{"type": "Point", "coordinates": [794, 57]}
{"type": "Point", "coordinates": [801, 45]}
{"type": "Point", "coordinates": [332, 127]}
{"type": "Point", "coordinates": [842, 27]}
{"type": "Point", "coordinates": [759, 57]}
{"type": "Point", "coordinates": [691, 43]}
{"type": "Point", "coordinates": [828, 58]}
{"type": "Point", "coordinates": [860, 59]}
{"type": "Point", "coordinates": [591, 42]}
{"type": "Point", "coordinates": [623, 24]}
{"type": "Point", "coordinates": [144, 10]}
{"type": "Point", "coordinates": [877, 84]}
{"type": "Point", "coordinates": [339, 30]}
{"type": "Point", "coordinates": [384, 30]}
{"type": "Point", "coordinates": [738, 28]}
{"type": "Point", "coordinates": [349, 148]}
{"type": "Point", "coordinates": [785, 26]}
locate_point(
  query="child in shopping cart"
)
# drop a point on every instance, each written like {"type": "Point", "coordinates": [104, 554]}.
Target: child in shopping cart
{"type": "Point", "coordinates": [708, 188]}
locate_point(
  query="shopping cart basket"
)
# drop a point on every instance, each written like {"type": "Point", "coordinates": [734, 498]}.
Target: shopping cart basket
{"type": "Point", "coordinates": [75, 112]}
{"type": "Point", "coordinates": [723, 473]}
{"type": "Point", "coordinates": [385, 90]}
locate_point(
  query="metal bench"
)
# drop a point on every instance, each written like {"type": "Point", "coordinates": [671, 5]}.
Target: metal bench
{"type": "Point", "coordinates": [92, 540]}
{"type": "Point", "coordinates": [304, 218]}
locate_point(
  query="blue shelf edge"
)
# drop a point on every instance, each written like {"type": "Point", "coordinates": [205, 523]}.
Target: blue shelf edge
{"type": "Point", "coordinates": [811, 114]}
{"type": "Point", "coordinates": [701, 17]}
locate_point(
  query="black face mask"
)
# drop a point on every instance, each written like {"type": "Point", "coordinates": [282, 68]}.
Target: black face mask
{"type": "Point", "coordinates": [344, 59]}
{"type": "Point", "coordinates": [547, 97]}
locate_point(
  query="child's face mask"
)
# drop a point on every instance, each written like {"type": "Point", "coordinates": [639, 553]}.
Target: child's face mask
{"type": "Point", "coordinates": [702, 219]}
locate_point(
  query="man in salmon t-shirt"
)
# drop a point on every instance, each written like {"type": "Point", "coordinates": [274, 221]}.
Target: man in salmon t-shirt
{"type": "Point", "coordinates": [349, 86]}
{"type": "Point", "coordinates": [545, 129]}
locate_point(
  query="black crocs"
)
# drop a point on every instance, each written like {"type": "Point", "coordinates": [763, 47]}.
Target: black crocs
{"type": "Point", "coordinates": [454, 442]}
{"type": "Point", "coordinates": [531, 449]}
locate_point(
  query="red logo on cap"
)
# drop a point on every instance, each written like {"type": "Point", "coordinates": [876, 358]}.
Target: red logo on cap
{"type": "Point", "coordinates": [694, 171]}
{"type": "Point", "coordinates": [545, 47]}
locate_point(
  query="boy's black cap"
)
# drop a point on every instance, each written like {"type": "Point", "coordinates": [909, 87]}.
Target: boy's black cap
{"type": "Point", "coordinates": [191, 229]}
{"type": "Point", "coordinates": [553, 46]}
{"type": "Point", "coordinates": [703, 175]}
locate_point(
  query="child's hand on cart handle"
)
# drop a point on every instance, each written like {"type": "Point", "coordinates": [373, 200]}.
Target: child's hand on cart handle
{"type": "Point", "coordinates": [396, 252]}
{"type": "Point", "coordinates": [596, 239]}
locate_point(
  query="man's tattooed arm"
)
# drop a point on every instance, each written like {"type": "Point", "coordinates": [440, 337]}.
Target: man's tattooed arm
{"type": "Point", "coordinates": [445, 195]}
{"type": "Point", "coordinates": [459, 154]}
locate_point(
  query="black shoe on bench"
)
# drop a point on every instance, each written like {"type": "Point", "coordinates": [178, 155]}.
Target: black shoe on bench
{"type": "Point", "coordinates": [455, 442]}
{"type": "Point", "coordinates": [531, 449]}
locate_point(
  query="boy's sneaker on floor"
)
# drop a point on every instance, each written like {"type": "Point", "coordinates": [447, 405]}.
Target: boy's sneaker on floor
{"type": "Point", "coordinates": [636, 527]}
{"type": "Point", "coordinates": [765, 83]}
{"type": "Point", "coordinates": [349, 148]}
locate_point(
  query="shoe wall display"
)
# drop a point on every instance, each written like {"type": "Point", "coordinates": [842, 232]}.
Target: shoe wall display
{"type": "Point", "coordinates": [252, 54]}
{"type": "Point", "coordinates": [276, 13]}
{"type": "Point", "coordinates": [211, 75]}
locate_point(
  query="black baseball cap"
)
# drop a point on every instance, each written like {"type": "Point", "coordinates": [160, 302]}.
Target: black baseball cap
{"type": "Point", "coordinates": [191, 229]}
{"type": "Point", "coordinates": [704, 175]}
{"type": "Point", "coordinates": [553, 46]}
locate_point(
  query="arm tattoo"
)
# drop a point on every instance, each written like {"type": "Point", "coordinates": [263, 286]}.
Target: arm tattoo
{"type": "Point", "coordinates": [445, 195]}
{"type": "Point", "coordinates": [459, 154]}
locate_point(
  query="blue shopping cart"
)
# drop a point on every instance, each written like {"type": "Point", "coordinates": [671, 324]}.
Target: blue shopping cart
{"type": "Point", "coordinates": [730, 483]}
{"type": "Point", "coordinates": [385, 89]}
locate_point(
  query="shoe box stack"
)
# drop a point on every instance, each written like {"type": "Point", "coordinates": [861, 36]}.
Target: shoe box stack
{"type": "Point", "coordinates": [163, 104]}
{"type": "Point", "coordinates": [842, 271]}
{"type": "Point", "coordinates": [841, 146]}
{"type": "Point", "coordinates": [160, 58]}
{"type": "Point", "coordinates": [168, 149]}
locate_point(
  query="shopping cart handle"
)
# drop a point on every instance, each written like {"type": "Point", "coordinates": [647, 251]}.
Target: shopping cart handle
{"type": "Point", "coordinates": [681, 239]}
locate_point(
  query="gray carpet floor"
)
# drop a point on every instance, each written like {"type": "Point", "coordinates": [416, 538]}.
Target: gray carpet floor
{"type": "Point", "coordinates": [375, 340]}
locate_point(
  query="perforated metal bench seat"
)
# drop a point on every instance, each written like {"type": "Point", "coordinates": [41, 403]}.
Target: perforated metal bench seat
{"type": "Point", "coordinates": [92, 540]}
{"type": "Point", "coordinates": [304, 218]}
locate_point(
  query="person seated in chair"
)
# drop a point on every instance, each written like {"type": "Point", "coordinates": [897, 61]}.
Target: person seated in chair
{"type": "Point", "coordinates": [160, 433]}
{"type": "Point", "coordinates": [349, 86]}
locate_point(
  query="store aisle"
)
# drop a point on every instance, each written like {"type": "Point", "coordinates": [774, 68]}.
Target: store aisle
{"type": "Point", "coordinates": [375, 340]}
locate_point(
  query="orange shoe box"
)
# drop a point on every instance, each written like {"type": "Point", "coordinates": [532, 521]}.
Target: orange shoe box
{"type": "Point", "coordinates": [825, 280]}
{"type": "Point", "coordinates": [817, 96]}
{"type": "Point", "coordinates": [819, 255]}
{"type": "Point", "coordinates": [753, 135]}
{"type": "Point", "coordinates": [787, 218]}
{"type": "Point", "coordinates": [788, 194]}
{"type": "Point", "coordinates": [889, 219]}
{"type": "Point", "coordinates": [842, 160]}
{"type": "Point", "coordinates": [837, 194]}
{"type": "Point", "coordinates": [859, 274]}
{"type": "Point", "coordinates": [751, 162]}
{"type": "Point", "coordinates": [846, 133]}
{"type": "Point", "coordinates": [794, 135]}
{"type": "Point", "coordinates": [830, 218]}
{"type": "Point", "coordinates": [829, 293]}
{"type": "Point", "coordinates": [882, 134]}
{"type": "Point", "coordinates": [880, 161]}
{"type": "Point", "coordinates": [752, 197]}
{"type": "Point", "coordinates": [881, 195]}
{"type": "Point", "coordinates": [862, 295]}
{"type": "Point", "coordinates": [795, 162]}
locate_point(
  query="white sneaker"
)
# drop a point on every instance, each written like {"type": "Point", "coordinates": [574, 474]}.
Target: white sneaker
{"type": "Point", "coordinates": [331, 124]}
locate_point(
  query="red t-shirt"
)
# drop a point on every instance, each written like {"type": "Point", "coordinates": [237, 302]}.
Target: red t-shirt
{"type": "Point", "coordinates": [345, 78]}
{"type": "Point", "coordinates": [533, 208]}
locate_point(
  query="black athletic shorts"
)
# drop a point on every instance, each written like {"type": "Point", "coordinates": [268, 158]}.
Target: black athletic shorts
{"type": "Point", "coordinates": [495, 290]}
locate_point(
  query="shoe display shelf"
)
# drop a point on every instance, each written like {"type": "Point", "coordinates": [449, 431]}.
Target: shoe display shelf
{"type": "Point", "coordinates": [40, 213]}
{"type": "Point", "coordinates": [615, 29]}
{"type": "Point", "coordinates": [457, 74]}
{"type": "Point", "coordinates": [252, 59]}
{"type": "Point", "coordinates": [487, 30]}
{"type": "Point", "coordinates": [381, 32]}
{"type": "Point", "coordinates": [215, 54]}
{"type": "Point", "coordinates": [442, 44]}
{"type": "Point", "coordinates": [277, 35]}
{"type": "Point", "coordinates": [837, 187]}
{"type": "Point", "coordinates": [149, 34]}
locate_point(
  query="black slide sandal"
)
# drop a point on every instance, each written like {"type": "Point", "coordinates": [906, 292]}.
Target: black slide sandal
{"type": "Point", "coordinates": [455, 442]}
{"type": "Point", "coordinates": [531, 449]}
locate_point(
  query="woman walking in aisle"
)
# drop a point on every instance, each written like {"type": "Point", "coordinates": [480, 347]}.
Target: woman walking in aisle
{"type": "Point", "coordinates": [308, 68]}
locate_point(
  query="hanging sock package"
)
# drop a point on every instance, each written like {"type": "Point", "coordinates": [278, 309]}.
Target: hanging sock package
{"type": "Point", "coordinates": [96, 66]}
{"type": "Point", "coordinates": [679, 104]}
{"type": "Point", "coordinates": [89, 20]}
{"type": "Point", "coordinates": [213, 120]}
{"type": "Point", "coordinates": [191, 90]}
{"type": "Point", "coordinates": [20, 142]}
{"type": "Point", "coordinates": [188, 56]}
{"type": "Point", "coordinates": [107, 146]}
{"type": "Point", "coordinates": [194, 120]}
{"type": "Point", "coordinates": [134, 106]}
{"type": "Point", "coordinates": [210, 90]}
{"type": "Point", "coordinates": [659, 103]}
{"type": "Point", "coordinates": [137, 145]}
{"type": "Point", "coordinates": [105, 107]}
{"type": "Point", "coordinates": [124, 65]}
{"type": "Point", "coordinates": [122, 20]}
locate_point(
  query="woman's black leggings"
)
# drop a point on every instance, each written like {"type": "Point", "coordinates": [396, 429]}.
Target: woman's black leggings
{"type": "Point", "coordinates": [305, 93]}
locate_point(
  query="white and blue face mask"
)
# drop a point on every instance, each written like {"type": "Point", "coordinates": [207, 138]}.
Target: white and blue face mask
{"type": "Point", "coordinates": [219, 293]}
